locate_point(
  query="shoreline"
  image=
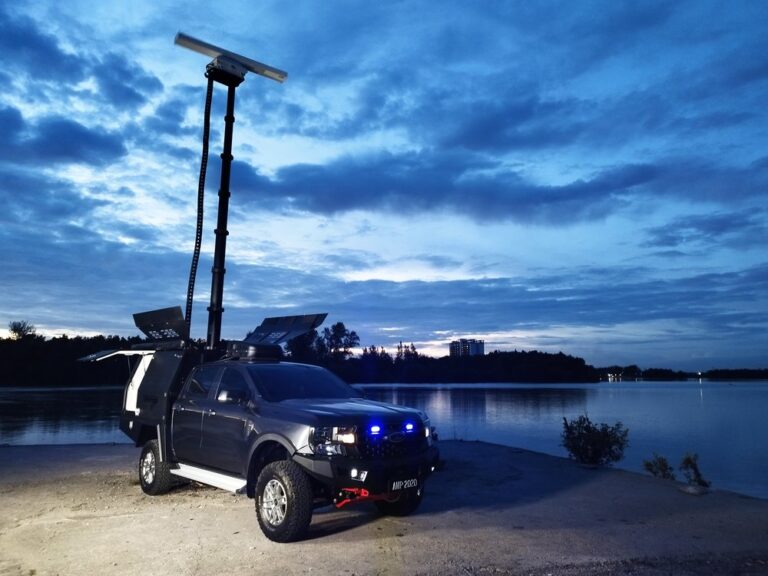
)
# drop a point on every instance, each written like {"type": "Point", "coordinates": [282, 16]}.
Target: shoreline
{"type": "Point", "coordinates": [75, 509]}
{"type": "Point", "coordinates": [47, 448]}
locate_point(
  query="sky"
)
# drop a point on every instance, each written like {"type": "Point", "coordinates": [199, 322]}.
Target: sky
{"type": "Point", "coordinates": [580, 177]}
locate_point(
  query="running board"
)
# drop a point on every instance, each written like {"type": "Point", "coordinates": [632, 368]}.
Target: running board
{"type": "Point", "coordinates": [229, 483]}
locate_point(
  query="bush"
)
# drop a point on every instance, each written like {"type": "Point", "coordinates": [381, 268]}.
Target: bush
{"type": "Point", "coordinates": [659, 467]}
{"type": "Point", "coordinates": [594, 444]}
{"type": "Point", "coordinates": [690, 468]}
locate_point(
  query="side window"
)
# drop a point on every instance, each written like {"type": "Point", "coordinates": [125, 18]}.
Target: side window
{"type": "Point", "coordinates": [233, 387]}
{"type": "Point", "coordinates": [202, 381]}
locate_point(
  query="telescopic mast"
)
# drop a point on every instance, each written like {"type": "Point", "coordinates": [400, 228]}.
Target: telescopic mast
{"type": "Point", "coordinates": [229, 69]}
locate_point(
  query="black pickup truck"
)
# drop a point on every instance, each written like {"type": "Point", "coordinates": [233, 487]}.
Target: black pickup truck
{"type": "Point", "coordinates": [236, 416]}
{"type": "Point", "coordinates": [292, 436]}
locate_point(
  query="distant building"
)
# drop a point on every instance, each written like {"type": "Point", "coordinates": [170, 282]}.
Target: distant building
{"type": "Point", "coordinates": [468, 347]}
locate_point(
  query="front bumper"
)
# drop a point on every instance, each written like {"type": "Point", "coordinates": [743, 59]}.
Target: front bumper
{"type": "Point", "coordinates": [374, 477]}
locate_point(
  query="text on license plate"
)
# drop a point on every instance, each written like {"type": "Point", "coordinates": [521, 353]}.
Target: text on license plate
{"type": "Point", "coordinates": [405, 484]}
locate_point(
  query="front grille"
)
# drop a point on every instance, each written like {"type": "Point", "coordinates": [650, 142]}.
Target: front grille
{"type": "Point", "coordinates": [392, 442]}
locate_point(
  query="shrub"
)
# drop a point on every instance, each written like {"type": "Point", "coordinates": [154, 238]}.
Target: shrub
{"type": "Point", "coordinates": [659, 467]}
{"type": "Point", "coordinates": [594, 444]}
{"type": "Point", "coordinates": [690, 468]}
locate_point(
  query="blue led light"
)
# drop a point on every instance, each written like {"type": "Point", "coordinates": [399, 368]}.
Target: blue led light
{"type": "Point", "coordinates": [409, 427]}
{"type": "Point", "coordinates": [375, 429]}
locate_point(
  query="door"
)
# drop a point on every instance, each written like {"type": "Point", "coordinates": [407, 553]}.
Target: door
{"type": "Point", "coordinates": [228, 424]}
{"type": "Point", "coordinates": [188, 410]}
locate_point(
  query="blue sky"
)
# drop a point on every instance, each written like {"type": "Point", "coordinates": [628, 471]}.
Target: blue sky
{"type": "Point", "coordinates": [585, 177]}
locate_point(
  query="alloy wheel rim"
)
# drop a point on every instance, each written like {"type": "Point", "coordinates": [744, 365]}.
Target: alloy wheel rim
{"type": "Point", "coordinates": [148, 468]}
{"type": "Point", "coordinates": [274, 502]}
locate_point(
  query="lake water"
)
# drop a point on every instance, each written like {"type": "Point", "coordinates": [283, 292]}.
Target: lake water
{"type": "Point", "coordinates": [723, 422]}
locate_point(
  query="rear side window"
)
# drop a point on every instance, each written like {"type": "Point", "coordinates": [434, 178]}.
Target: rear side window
{"type": "Point", "coordinates": [202, 381]}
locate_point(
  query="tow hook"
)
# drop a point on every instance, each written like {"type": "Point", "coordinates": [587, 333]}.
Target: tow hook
{"type": "Point", "coordinates": [348, 495]}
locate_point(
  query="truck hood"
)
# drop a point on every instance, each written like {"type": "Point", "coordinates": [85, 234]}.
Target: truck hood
{"type": "Point", "coordinates": [356, 408]}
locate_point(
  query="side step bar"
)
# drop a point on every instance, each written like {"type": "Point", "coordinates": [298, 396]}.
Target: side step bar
{"type": "Point", "coordinates": [229, 483]}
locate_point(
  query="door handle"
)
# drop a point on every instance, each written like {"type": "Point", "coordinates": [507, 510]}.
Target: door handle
{"type": "Point", "coordinates": [211, 412]}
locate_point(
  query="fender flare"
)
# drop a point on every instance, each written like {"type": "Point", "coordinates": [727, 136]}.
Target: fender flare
{"type": "Point", "coordinates": [270, 437]}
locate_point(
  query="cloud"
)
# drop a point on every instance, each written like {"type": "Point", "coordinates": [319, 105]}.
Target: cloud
{"type": "Point", "coordinates": [169, 116]}
{"type": "Point", "coordinates": [414, 183]}
{"type": "Point", "coordinates": [59, 270]}
{"type": "Point", "coordinates": [703, 180]}
{"type": "Point", "coordinates": [25, 48]}
{"type": "Point", "coordinates": [53, 77]}
{"type": "Point", "coordinates": [517, 124]}
{"type": "Point", "coordinates": [742, 66]}
{"type": "Point", "coordinates": [350, 260]}
{"type": "Point", "coordinates": [124, 84]}
{"type": "Point", "coordinates": [12, 123]}
{"type": "Point", "coordinates": [72, 277]}
{"type": "Point", "coordinates": [56, 139]}
{"type": "Point", "coordinates": [745, 229]}
{"type": "Point", "coordinates": [34, 201]}
{"type": "Point", "coordinates": [61, 140]}
{"type": "Point", "coordinates": [519, 143]}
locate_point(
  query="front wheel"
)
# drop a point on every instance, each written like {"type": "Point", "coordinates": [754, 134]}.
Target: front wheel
{"type": "Point", "coordinates": [154, 475]}
{"type": "Point", "coordinates": [283, 501]}
{"type": "Point", "coordinates": [406, 503]}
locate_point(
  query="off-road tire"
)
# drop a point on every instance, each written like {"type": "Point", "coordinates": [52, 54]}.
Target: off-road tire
{"type": "Point", "coordinates": [406, 504]}
{"type": "Point", "coordinates": [283, 501]}
{"type": "Point", "coordinates": [154, 476]}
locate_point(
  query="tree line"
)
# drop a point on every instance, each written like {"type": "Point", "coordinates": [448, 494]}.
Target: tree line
{"type": "Point", "coordinates": [32, 360]}
{"type": "Point", "coordinates": [333, 349]}
{"type": "Point", "coordinates": [29, 359]}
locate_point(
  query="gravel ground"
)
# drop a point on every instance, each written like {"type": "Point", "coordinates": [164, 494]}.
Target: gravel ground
{"type": "Point", "coordinates": [491, 510]}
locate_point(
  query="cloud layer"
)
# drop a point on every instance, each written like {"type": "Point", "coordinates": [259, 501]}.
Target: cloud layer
{"type": "Point", "coordinates": [592, 180]}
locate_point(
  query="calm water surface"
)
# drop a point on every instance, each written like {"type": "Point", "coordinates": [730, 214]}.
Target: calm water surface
{"type": "Point", "coordinates": [723, 422]}
{"type": "Point", "coordinates": [31, 416]}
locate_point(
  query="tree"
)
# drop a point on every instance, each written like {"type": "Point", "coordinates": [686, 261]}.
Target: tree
{"type": "Point", "coordinates": [375, 365]}
{"type": "Point", "coordinates": [339, 341]}
{"type": "Point", "coordinates": [21, 329]}
{"type": "Point", "coordinates": [632, 372]}
{"type": "Point", "coordinates": [377, 353]}
{"type": "Point", "coordinates": [405, 353]}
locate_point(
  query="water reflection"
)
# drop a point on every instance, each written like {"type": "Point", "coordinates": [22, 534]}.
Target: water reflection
{"type": "Point", "coordinates": [722, 422]}
{"type": "Point", "coordinates": [60, 416]}
{"type": "Point", "coordinates": [514, 415]}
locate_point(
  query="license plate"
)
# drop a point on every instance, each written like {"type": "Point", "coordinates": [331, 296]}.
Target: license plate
{"type": "Point", "coordinates": [398, 485]}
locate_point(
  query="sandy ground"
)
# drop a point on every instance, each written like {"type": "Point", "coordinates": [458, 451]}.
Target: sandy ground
{"type": "Point", "coordinates": [491, 510]}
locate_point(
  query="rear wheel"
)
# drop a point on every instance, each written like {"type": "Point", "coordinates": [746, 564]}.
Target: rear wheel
{"type": "Point", "coordinates": [283, 501]}
{"type": "Point", "coordinates": [154, 475]}
{"type": "Point", "coordinates": [405, 504]}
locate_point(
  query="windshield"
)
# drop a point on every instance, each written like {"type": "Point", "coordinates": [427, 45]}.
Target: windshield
{"type": "Point", "coordinates": [276, 382]}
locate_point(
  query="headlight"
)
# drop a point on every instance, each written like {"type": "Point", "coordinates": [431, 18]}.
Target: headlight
{"type": "Point", "coordinates": [427, 429]}
{"type": "Point", "coordinates": [331, 440]}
